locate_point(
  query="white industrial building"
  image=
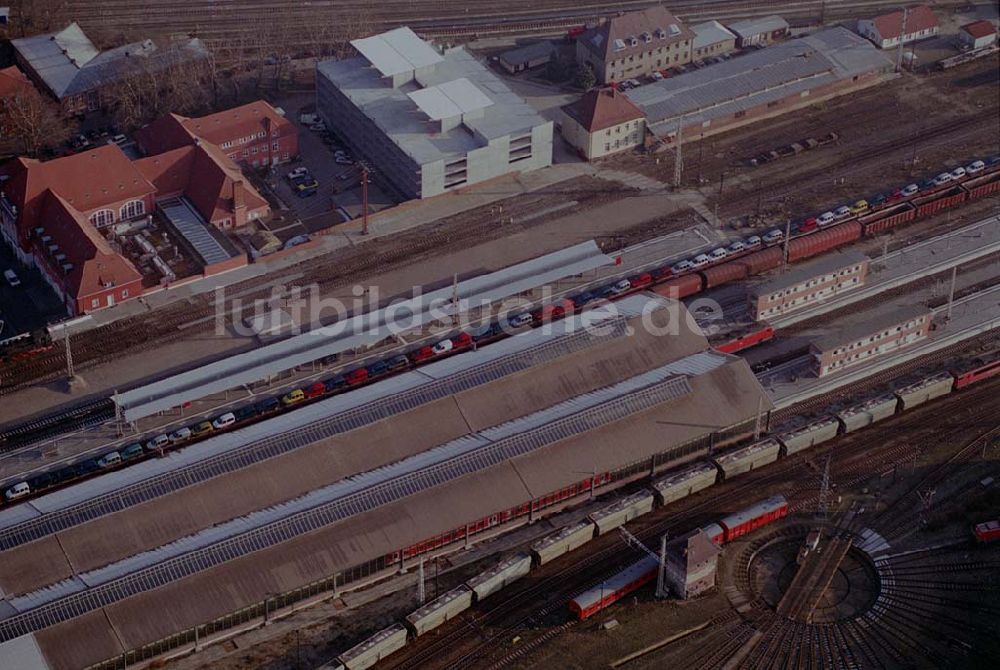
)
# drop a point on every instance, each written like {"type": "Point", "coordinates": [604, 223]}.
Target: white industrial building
{"type": "Point", "coordinates": [427, 120]}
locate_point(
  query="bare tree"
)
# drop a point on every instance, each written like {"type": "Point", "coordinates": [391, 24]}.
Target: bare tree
{"type": "Point", "coordinates": [30, 17]}
{"type": "Point", "coordinates": [32, 121]}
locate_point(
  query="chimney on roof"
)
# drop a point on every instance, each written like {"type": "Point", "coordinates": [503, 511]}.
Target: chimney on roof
{"type": "Point", "coordinates": [239, 196]}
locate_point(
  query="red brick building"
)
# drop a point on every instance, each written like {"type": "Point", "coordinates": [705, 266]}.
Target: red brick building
{"type": "Point", "coordinates": [51, 213]}
{"type": "Point", "coordinates": [867, 336]}
{"type": "Point", "coordinates": [56, 215]}
{"type": "Point", "coordinates": [255, 134]}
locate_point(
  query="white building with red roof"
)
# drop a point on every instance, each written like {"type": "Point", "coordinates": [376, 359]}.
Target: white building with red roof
{"type": "Point", "coordinates": [916, 23]}
{"type": "Point", "coordinates": [603, 122]}
{"type": "Point", "coordinates": [978, 34]}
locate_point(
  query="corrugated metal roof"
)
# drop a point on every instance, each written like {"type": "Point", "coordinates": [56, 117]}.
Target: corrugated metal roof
{"type": "Point", "coordinates": [757, 78]}
{"type": "Point", "coordinates": [765, 24]}
{"type": "Point", "coordinates": [355, 332]}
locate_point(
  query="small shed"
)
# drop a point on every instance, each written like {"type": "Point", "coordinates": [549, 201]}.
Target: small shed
{"type": "Point", "coordinates": [759, 32]}
{"type": "Point", "coordinates": [978, 34]}
{"type": "Point", "coordinates": [527, 57]}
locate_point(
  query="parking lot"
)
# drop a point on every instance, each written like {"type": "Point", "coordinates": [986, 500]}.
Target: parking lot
{"type": "Point", "coordinates": [31, 305]}
{"type": "Point", "coordinates": [339, 184]}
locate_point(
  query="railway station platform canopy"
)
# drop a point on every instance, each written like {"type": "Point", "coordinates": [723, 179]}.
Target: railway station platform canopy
{"type": "Point", "coordinates": [514, 437]}
{"type": "Point", "coordinates": [356, 332]}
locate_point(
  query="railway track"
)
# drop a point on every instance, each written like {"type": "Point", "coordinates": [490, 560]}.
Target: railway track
{"type": "Point", "coordinates": [82, 416]}
{"type": "Point", "coordinates": [524, 609]}
{"type": "Point", "coordinates": [223, 20]}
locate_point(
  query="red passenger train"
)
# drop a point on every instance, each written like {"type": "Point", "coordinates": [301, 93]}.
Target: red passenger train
{"type": "Point", "coordinates": [741, 523]}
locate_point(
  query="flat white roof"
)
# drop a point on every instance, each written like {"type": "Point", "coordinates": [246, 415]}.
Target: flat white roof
{"type": "Point", "coordinates": [397, 51]}
{"type": "Point", "coordinates": [450, 99]}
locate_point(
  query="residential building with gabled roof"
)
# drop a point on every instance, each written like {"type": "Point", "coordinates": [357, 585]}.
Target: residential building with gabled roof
{"type": "Point", "coordinates": [918, 23]}
{"type": "Point", "coordinates": [603, 122]}
{"type": "Point", "coordinates": [634, 44]}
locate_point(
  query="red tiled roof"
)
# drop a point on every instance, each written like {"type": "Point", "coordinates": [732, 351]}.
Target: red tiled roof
{"type": "Point", "coordinates": [96, 266]}
{"type": "Point", "coordinates": [13, 81]}
{"type": "Point", "coordinates": [980, 29]}
{"type": "Point", "coordinates": [87, 181]}
{"type": "Point", "coordinates": [241, 121]}
{"type": "Point", "coordinates": [165, 133]}
{"type": "Point", "coordinates": [204, 174]}
{"type": "Point", "coordinates": [603, 108]}
{"type": "Point", "coordinates": [918, 18]}
{"type": "Point", "coordinates": [601, 40]}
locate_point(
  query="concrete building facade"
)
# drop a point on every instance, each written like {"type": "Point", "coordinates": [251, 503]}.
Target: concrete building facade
{"type": "Point", "coordinates": [601, 123]}
{"type": "Point", "coordinates": [809, 284]}
{"type": "Point", "coordinates": [635, 44]}
{"type": "Point", "coordinates": [428, 122]}
{"type": "Point", "coordinates": [918, 23]}
{"type": "Point", "coordinates": [691, 564]}
{"type": "Point", "coordinates": [868, 336]}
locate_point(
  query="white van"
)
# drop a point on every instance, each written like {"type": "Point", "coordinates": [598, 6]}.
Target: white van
{"type": "Point", "coordinates": [17, 491]}
{"type": "Point", "coordinates": [158, 442]}
{"type": "Point", "coordinates": [11, 278]}
{"type": "Point", "coordinates": [520, 320]}
{"type": "Point", "coordinates": [109, 460]}
{"type": "Point", "coordinates": [180, 435]}
{"type": "Point", "coordinates": [224, 421]}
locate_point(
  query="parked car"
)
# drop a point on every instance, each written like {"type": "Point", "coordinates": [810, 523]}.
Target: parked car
{"type": "Point", "coordinates": [293, 397]}
{"type": "Point", "coordinates": [700, 261]}
{"type": "Point", "coordinates": [772, 236]}
{"type": "Point", "coordinates": [620, 287]}
{"type": "Point", "coordinates": [656, 76]}
{"type": "Point", "coordinates": [640, 280]}
{"type": "Point", "coordinates": [109, 460]}
{"type": "Point", "coordinates": [246, 412]}
{"type": "Point", "coordinates": [736, 247]}
{"type": "Point", "coordinates": [753, 242]}
{"type": "Point", "coordinates": [665, 272]}
{"type": "Point", "coordinates": [859, 207]}
{"type": "Point", "coordinates": [718, 254]}
{"type": "Point", "coordinates": [975, 167]}
{"type": "Point", "coordinates": [461, 341]}
{"type": "Point", "coordinates": [681, 267]}
{"type": "Point", "coordinates": [180, 435]}
{"type": "Point", "coordinates": [340, 160]}
{"type": "Point", "coordinates": [307, 193]}
{"type": "Point", "coordinates": [203, 428]}
{"type": "Point", "coordinates": [298, 172]}
{"type": "Point", "coordinates": [808, 225]}
{"type": "Point", "coordinates": [268, 405]}
{"type": "Point", "coordinates": [878, 200]}
{"type": "Point", "coordinates": [398, 362]}
{"type": "Point", "coordinates": [131, 452]}
{"type": "Point", "coordinates": [825, 219]}
{"type": "Point", "coordinates": [357, 376]}
{"type": "Point", "coordinates": [958, 173]}
{"type": "Point", "coordinates": [377, 368]}
{"type": "Point", "coordinates": [909, 190]}
{"type": "Point", "coordinates": [520, 320]}
{"type": "Point", "coordinates": [314, 390]}
{"type": "Point", "coordinates": [11, 278]}
{"type": "Point", "coordinates": [442, 347]}
{"type": "Point", "coordinates": [334, 383]}
{"type": "Point", "coordinates": [158, 442]}
{"type": "Point", "coordinates": [582, 299]}
{"type": "Point", "coordinates": [842, 212]}
{"type": "Point", "coordinates": [943, 179]}
{"type": "Point", "coordinates": [421, 354]}
{"type": "Point", "coordinates": [487, 332]}
{"type": "Point", "coordinates": [224, 421]}
{"type": "Point", "coordinates": [307, 184]}
{"type": "Point", "coordinates": [16, 491]}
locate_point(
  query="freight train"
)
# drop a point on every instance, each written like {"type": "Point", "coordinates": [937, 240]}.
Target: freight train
{"type": "Point", "coordinates": [642, 572]}
{"type": "Point", "coordinates": [751, 256]}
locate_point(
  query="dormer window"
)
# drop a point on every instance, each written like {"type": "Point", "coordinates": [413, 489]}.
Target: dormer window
{"type": "Point", "coordinates": [619, 45]}
{"type": "Point", "coordinates": [647, 38]}
{"type": "Point", "coordinates": [633, 41]}
{"type": "Point", "coordinates": [661, 33]}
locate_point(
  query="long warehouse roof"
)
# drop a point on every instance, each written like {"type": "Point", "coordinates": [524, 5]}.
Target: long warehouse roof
{"type": "Point", "coordinates": [240, 448]}
{"type": "Point", "coordinates": [355, 332]}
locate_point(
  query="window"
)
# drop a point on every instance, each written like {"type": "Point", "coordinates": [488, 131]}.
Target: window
{"type": "Point", "coordinates": [132, 209]}
{"type": "Point", "coordinates": [275, 146]}
{"type": "Point", "coordinates": [740, 114]}
{"type": "Point", "coordinates": [95, 303]}
{"type": "Point", "coordinates": [253, 150]}
{"type": "Point", "coordinates": [607, 146]}
{"type": "Point", "coordinates": [246, 152]}
{"type": "Point", "coordinates": [102, 217]}
{"type": "Point", "coordinates": [275, 133]}
{"type": "Point", "coordinates": [124, 293]}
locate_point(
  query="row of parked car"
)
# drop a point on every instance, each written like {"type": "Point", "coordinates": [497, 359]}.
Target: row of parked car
{"type": "Point", "coordinates": [880, 200]}
{"type": "Point", "coordinates": [718, 254]}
